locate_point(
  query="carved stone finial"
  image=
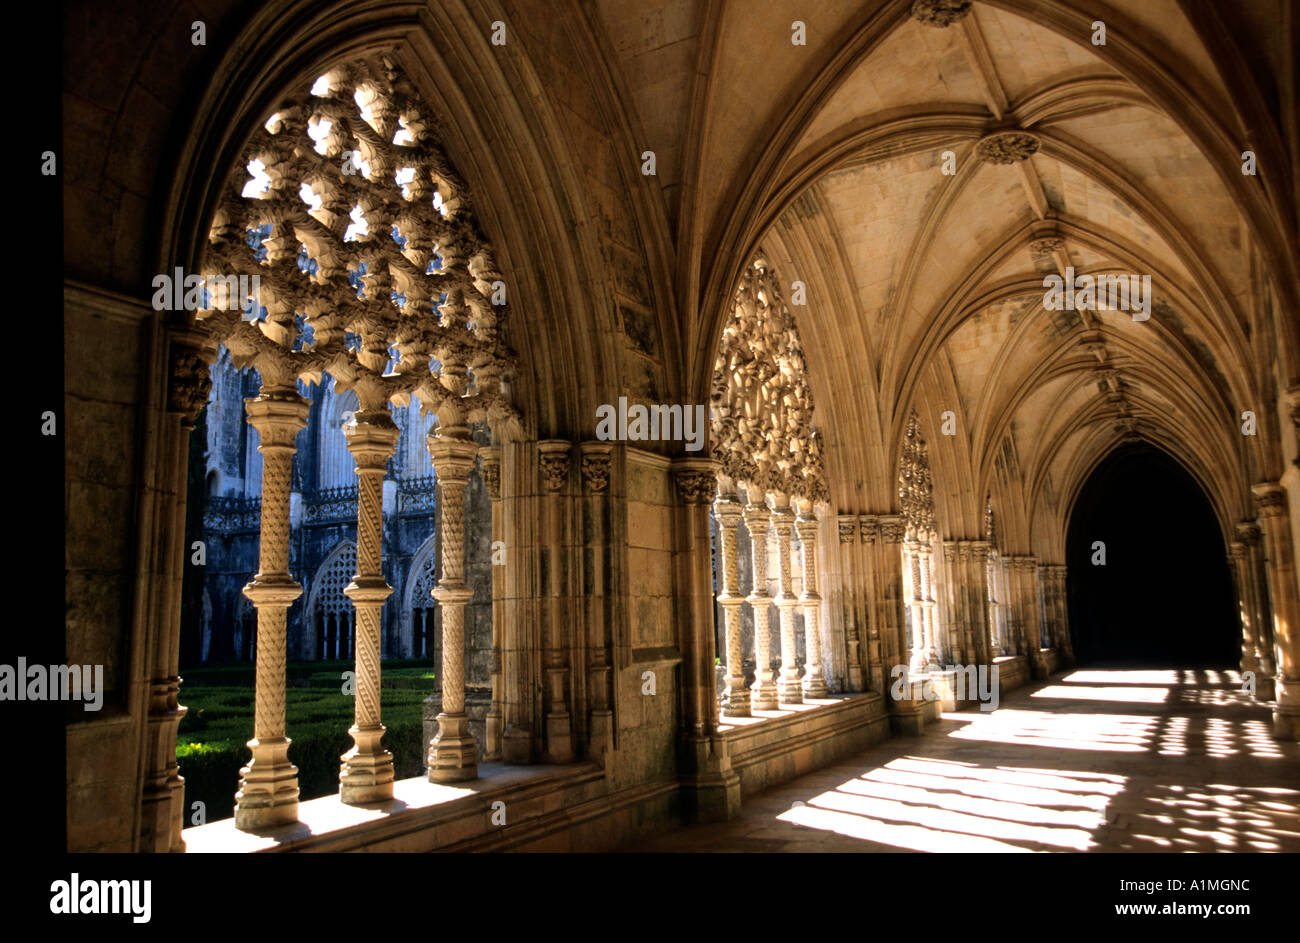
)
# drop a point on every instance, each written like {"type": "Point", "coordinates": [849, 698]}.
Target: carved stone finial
{"type": "Point", "coordinates": [939, 13]}
{"type": "Point", "coordinates": [1006, 147]}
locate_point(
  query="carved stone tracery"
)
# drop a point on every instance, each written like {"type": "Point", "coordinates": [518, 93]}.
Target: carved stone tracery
{"type": "Point", "coordinates": [762, 404]}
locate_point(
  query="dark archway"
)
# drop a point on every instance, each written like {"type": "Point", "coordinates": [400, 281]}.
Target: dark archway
{"type": "Point", "coordinates": [1164, 595]}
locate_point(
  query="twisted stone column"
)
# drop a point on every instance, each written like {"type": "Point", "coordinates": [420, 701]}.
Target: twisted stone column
{"type": "Point", "coordinates": [367, 772]}
{"type": "Point", "coordinates": [764, 693]}
{"type": "Point", "coordinates": [788, 688]}
{"type": "Point", "coordinates": [814, 678]}
{"type": "Point", "coordinates": [268, 785]}
{"type": "Point", "coordinates": [1271, 499]}
{"type": "Point", "coordinates": [728, 513]}
{"type": "Point", "coordinates": [453, 753]}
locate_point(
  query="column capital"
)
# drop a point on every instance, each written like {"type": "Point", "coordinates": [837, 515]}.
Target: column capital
{"type": "Point", "coordinates": [727, 510]}
{"type": "Point", "coordinates": [869, 528]}
{"type": "Point", "coordinates": [372, 438]}
{"type": "Point", "coordinates": [1270, 498]}
{"type": "Point", "coordinates": [596, 458]}
{"type": "Point", "coordinates": [277, 414]}
{"type": "Point", "coordinates": [893, 528]}
{"type": "Point", "coordinates": [848, 528]}
{"type": "Point", "coordinates": [553, 460]}
{"type": "Point", "coordinates": [1248, 532]}
{"type": "Point", "coordinates": [452, 458]}
{"type": "Point", "coordinates": [696, 478]}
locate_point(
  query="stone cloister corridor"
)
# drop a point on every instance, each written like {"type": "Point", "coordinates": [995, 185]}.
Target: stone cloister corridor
{"type": "Point", "coordinates": [1093, 760]}
{"type": "Point", "coordinates": [647, 427]}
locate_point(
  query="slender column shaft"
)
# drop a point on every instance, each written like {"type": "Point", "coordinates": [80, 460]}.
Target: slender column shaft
{"type": "Point", "coordinates": [367, 771]}
{"type": "Point", "coordinates": [596, 461]}
{"type": "Point", "coordinates": [929, 621]}
{"type": "Point", "coordinates": [763, 693]}
{"type": "Point", "coordinates": [268, 787]}
{"type": "Point", "coordinates": [854, 598]}
{"type": "Point", "coordinates": [1255, 586]}
{"type": "Point", "coordinates": [492, 484]}
{"type": "Point", "coordinates": [889, 560]}
{"type": "Point", "coordinates": [789, 690]}
{"type": "Point", "coordinates": [1271, 499]}
{"type": "Point", "coordinates": [728, 513]}
{"type": "Point", "coordinates": [917, 660]}
{"type": "Point", "coordinates": [554, 458]}
{"type": "Point", "coordinates": [814, 679]}
{"type": "Point", "coordinates": [453, 753]}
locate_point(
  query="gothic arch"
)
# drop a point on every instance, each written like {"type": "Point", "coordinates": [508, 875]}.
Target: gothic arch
{"type": "Point", "coordinates": [421, 577]}
{"type": "Point", "coordinates": [328, 616]}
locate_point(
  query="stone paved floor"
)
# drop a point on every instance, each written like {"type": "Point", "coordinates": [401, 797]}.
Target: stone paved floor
{"type": "Point", "coordinates": [1092, 760]}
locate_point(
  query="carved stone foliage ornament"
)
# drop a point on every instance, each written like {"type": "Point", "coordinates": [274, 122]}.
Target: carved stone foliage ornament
{"type": "Point", "coordinates": [1006, 147]}
{"type": "Point", "coordinates": [370, 264]}
{"type": "Point", "coordinates": [915, 484]}
{"type": "Point", "coordinates": [696, 487]}
{"type": "Point", "coordinates": [939, 13]}
{"type": "Point", "coordinates": [762, 404]}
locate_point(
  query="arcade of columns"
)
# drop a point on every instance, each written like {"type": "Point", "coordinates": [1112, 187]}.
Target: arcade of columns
{"type": "Point", "coordinates": [400, 225]}
{"type": "Point", "coordinates": [771, 471]}
{"type": "Point", "coordinates": [896, 610]}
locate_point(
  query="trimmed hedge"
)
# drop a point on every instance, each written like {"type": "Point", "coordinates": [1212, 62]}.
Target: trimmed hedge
{"type": "Point", "coordinates": [211, 742]}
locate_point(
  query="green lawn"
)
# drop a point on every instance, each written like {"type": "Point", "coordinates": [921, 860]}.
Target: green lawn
{"type": "Point", "coordinates": [210, 745]}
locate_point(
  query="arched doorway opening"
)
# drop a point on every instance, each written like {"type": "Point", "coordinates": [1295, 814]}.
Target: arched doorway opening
{"type": "Point", "coordinates": [1148, 576]}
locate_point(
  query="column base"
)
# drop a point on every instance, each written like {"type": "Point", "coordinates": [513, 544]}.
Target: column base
{"type": "Point", "coordinates": [559, 742]}
{"type": "Point", "coordinates": [492, 749]}
{"type": "Point", "coordinates": [453, 754]}
{"type": "Point", "coordinates": [737, 698]}
{"type": "Point", "coordinates": [602, 734]}
{"type": "Point", "coordinates": [1286, 712]}
{"type": "Point", "coordinates": [517, 746]}
{"type": "Point", "coordinates": [789, 691]}
{"type": "Point", "coordinates": [814, 684]}
{"type": "Point", "coordinates": [1265, 690]}
{"type": "Point", "coordinates": [367, 772]}
{"type": "Point", "coordinates": [763, 695]}
{"type": "Point", "coordinates": [268, 787]}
